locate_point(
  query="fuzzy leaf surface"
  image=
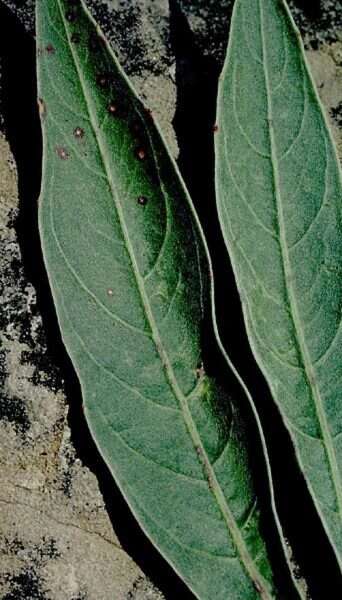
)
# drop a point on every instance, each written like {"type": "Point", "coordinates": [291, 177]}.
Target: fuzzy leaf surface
{"type": "Point", "coordinates": [130, 279]}
{"type": "Point", "coordinates": [279, 198]}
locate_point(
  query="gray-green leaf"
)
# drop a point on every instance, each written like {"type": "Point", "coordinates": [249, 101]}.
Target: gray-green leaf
{"type": "Point", "coordinates": [279, 199]}
{"type": "Point", "coordinates": [130, 279]}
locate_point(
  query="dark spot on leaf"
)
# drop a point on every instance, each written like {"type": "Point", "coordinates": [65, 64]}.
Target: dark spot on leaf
{"type": "Point", "coordinates": [149, 113]}
{"type": "Point", "coordinates": [141, 154]}
{"type": "Point", "coordinates": [142, 200]}
{"type": "Point", "coordinates": [62, 152]}
{"type": "Point", "coordinates": [103, 80]}
{"type": "Point", "coordinates": [78, 132]}
{"type": "Point", "coordinates": [50, 49]}
{"type": "Point", "coordinates": [112, 109]}
{"type": "Point", "coordinates": [215, 128]}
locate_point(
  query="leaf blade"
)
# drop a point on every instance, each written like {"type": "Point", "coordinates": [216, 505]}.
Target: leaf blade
{"type": "Point", "coordinates": [267, 226]}
{"type": "Point", "coordinates": [143, 285]}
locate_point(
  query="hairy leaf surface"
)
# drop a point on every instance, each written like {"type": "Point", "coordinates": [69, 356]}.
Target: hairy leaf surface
{"type": "Point", "coordinates": [279, 199]}
{"type": "Point", "coordinates": [130, 279]}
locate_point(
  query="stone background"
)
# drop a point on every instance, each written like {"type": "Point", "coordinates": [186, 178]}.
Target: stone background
{"type": "Point", "coordinates": [65, 532]}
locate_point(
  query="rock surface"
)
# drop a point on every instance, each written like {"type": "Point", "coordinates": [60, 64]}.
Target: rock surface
{"type": "Point", "coordinates": [57, 539]}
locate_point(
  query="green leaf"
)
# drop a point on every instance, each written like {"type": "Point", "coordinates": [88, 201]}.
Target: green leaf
{"type": "Point", "coordinates": [129, 272]}
{"type": "Point", "coordinates": [279, 199]}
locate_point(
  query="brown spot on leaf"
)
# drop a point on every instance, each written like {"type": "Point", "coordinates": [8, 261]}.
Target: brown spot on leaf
{"type": "Point", "coordinates": [141, 154]}
{"type": "Point", "coordinates": [112, 108]}
{"type": "Point", "coordinates": [142, 200]}
{"type": "Point", "coordinates": [78, 132]}
{"type": "Point", "coordinates": [103, 80]}
{"type": "Point", "coordinates": [215, 128]}
{"type": "Point", "coordinates": [62, 152]}
{"type": "Point", "coordinates": [50, 49]}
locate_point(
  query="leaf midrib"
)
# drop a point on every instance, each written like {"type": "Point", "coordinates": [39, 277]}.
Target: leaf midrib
{"type": "Point", "coordinates": [247, 561]}
{"type": "Point", "coordinates": [303, 352]}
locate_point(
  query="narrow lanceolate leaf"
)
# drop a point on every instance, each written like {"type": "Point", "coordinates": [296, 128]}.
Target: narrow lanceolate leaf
{"type": "Point", "coordinates": [129, 275]}
{"type": "Point", "coordinates": [279, 199]}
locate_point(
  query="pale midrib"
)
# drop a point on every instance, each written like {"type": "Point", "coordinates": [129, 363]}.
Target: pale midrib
{"type": "Point", "coordinates": [294, 312]}
{"type": "Point", "coordinates": [247, 561]}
